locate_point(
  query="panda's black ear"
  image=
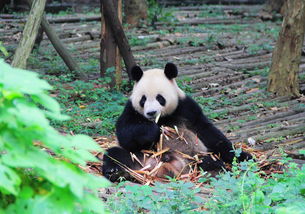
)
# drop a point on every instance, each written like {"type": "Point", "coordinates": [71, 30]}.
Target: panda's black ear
{"type": "Point", "coordinates": [170, 70]}
{"type": "Point", "coordinates": [136, 73]}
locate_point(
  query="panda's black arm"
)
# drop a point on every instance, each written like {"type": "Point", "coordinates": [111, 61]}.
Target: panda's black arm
{"type": "Point", "coordinates": [114, 158]}
{"type": "Point", "coordinates": [212, 137]}
{"type": "Point", "coordinates": [134, 131]}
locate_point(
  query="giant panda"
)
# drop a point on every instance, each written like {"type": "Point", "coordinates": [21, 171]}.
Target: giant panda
{"type": "Point", "coordinates": [156, 93]}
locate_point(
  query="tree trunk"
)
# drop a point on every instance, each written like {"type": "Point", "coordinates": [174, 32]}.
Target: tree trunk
{"type": "Point", "coordinates": [118, 34]}
{"type": "Point", "coordinates": [118, 59]}
{"type": "Point", "coordinates": [283, 76]}
{"type": "Point", "coordinates": [274, 6]}
{"type": "Point", "coordinates": [271, 8]}
{"type": "Point", "coordinates": [135, 10]}
{"type": "Point", "coordinates": [38, 39]}
{"type": "Point", "coordinates": [58, 45]}
{"type": "Point", "coordinates": [3, 3]}
{"type": "Point", "coordinates": [110, 55]}
{"type": "Point", "coordinates": [29, 35]}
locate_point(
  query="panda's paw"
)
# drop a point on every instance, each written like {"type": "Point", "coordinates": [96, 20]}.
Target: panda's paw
{"type": "Point", "coordinates": [209, 164]}
{"type": "Point", "coordinates": [244, 156]}
{"type": "Point", "coordinates": [156, 131]}
{"type": "Point", "coordinates": [110, 172]}
{"type": "Point", "coordinates": [149, 135]}
{"type": "Point", "coordinates": [229, 156]}
{"type": "Point", "coordinates": [114, 173]}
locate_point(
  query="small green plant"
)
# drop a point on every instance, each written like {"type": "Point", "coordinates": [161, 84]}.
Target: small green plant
{"type": "Point", "coordinates": [66, 12]}
{"type": "Point", "coordinates": [157, 13]}
{"type": "Point", "coordinates": [208, 41]}
{"type": "Point", "coordinates": [251, 117]}
{"type": "Point", "coordinates": [255, 48]}
{"type": "Point", "coordinates": [174, 197]}
{"type": "Point", "coordinates": [206, 101]}
{"type": "Point", "coordinates": [233, 127]}
{"type": "Point", "coordinates": [209, 105]}
{"type": "Point", "coordinates": [273, 125]}
{"type": "Point", "coordinates": [184, 84]}
{"type": "Point", "coordinates": [90, 102]}
{"type": "Point", "coordinates": [136, 41]}
{"type": "Point", "coordinates": [3, 50]}
{"type": "Point", "coordinates": [241, 121]}
{"type": "Point", "coordinates": [191, 61]}
{"type": "Point", "coordinates": [243, 190]}
{"type": "Point", "coordinates": [38, 165]}
{"type": "Point", "coordinates": [274, 139]}
{"type": "Point", "coordinates": [206, 59]}
{"type": "Point", "coordinates": [53, 63]}
{"type": "Point", "coordinates": [218, 115]}
{"type": "Point", "coordinates": [206, 12]}
{"type": "Point", "coordinates": [270, 104]}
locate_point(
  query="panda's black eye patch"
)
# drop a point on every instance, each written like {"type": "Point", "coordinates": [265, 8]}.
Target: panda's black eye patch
{"type": "Point", "coordinates": [142, 101]}
{"type": "Point", "coordinates": [161, 99]}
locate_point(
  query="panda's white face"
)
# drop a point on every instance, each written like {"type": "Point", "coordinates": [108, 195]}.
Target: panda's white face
{"type": "Point", "coordinates": [155, 94]}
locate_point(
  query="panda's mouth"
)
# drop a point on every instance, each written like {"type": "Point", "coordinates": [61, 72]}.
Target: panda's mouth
{"type": "Point", "coordinates": [151, 118]}
{"type": "Point", "coordinates": [154, 118]}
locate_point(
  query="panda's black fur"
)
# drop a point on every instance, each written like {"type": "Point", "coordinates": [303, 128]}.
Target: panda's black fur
{"type": "Point", "coordinates": [135, 132]}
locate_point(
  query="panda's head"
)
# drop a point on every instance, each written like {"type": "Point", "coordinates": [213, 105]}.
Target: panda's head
{"type": "Point", "coordinates": [155, 91]}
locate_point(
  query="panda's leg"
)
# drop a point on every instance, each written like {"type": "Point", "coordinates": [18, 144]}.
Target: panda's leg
{"type": "Point", "coordinates": [113, 160]}
{"type": "Point", "coordinates": [209, 164]}
{"type": "Point", "coordinates": [211, 136]}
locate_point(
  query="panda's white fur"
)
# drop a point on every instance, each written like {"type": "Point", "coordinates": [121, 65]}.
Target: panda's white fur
{"type": "Point", "coordinates": [152, 83]}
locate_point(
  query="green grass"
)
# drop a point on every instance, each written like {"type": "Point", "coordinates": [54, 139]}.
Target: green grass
{"type": "Point", "coordinates": [90, 102]}
{"type": "Point", "coordinates": [136, 41]}
{"type": "Point", "coordinates": [209, 41]}
{"type": "Point", "coordinates": [211, 13]}
{"type": "Point", "coordinates": [255, 48]}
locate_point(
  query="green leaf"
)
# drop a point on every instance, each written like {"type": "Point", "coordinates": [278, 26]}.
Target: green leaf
{"type": "Point", "coordinates": [84, 142]}
{"type": "Point", "coordinates": [94, 204]}
{"type": "Point", "coordinates": [29, 115]}
{"type": "Point", "coordinates": [56, 116]}
{"type": "Point", "coordinates": [302, 152]}
{"type": "Point", "coordinates": [259, 196]}
{"type": "Point", "coordinates": [58, 199]}
{"type": "Point", "coordinates": [9, 180]}
{"type": "Point", "coordinates": [21, 80]}
{"type": "Point", "coordinates": [3, 50]}
{"type": "Point", "coordinates": [47, 102]}
{"type": "Point", "coordinates": [26, 192]}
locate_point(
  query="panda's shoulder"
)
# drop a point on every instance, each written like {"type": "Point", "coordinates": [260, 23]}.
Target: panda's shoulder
{"type": "Point", "coordinates": [130, 113]}
{"type": "Point", "coordinates": [187, 102]}
{"type": "Point", "coordinates": [129, 107]}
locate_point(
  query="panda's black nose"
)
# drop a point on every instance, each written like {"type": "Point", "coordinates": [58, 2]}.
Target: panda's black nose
{"type": "Point", "coordinates": [151, 113]}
